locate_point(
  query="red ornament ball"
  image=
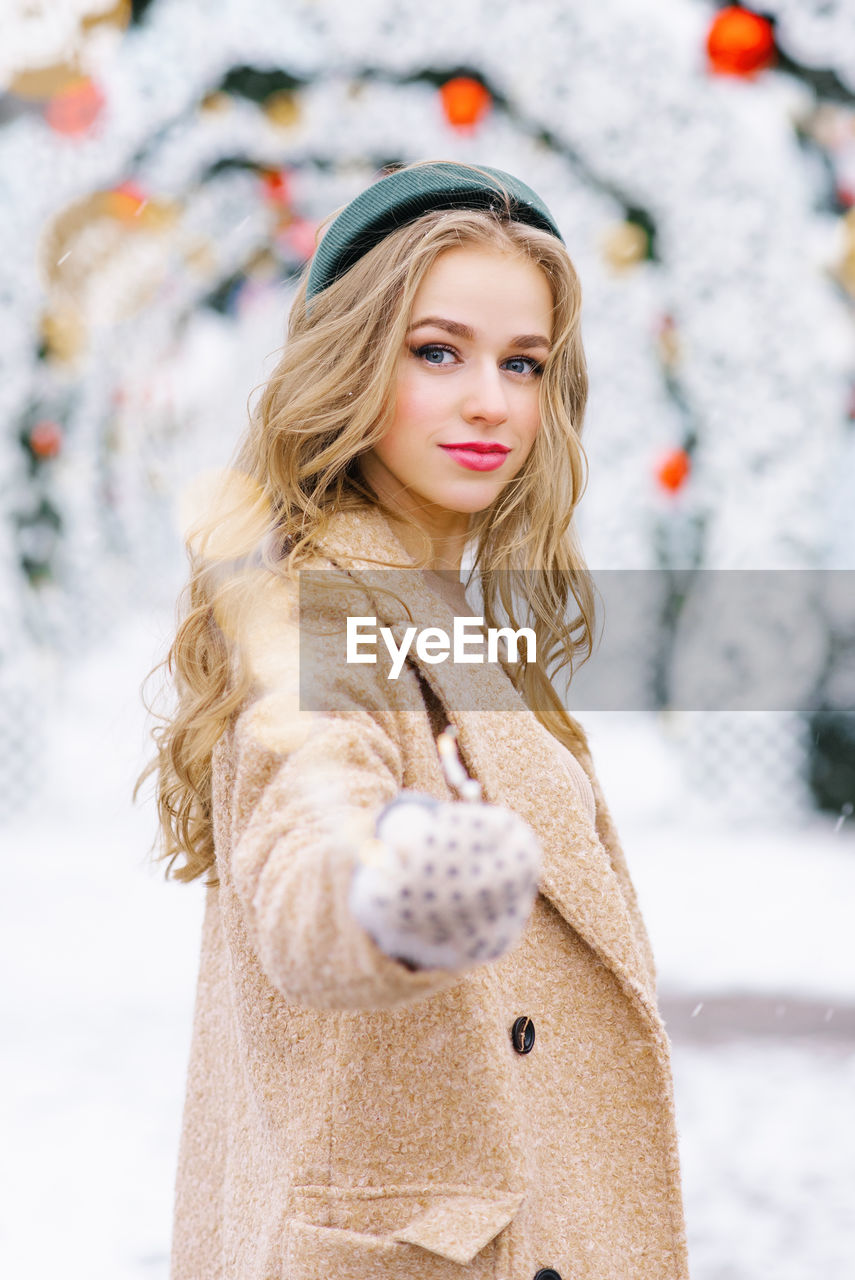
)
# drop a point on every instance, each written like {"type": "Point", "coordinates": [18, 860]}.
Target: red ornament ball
{"type": "Point", "coordinates": [740, 42]}
{"type": "Point", "coordinates": [277, 186]}
{"type": "Point", "coordinates": [673, 470]}
{"type": "Point", "coordinates": [46, 439]}
{"type": "Point", "coordinates": [465, 102]}
{"type": "Point", "coordinates": [74, 109]}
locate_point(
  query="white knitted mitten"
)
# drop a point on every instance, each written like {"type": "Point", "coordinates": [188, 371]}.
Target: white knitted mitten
{"type": "Point", "coordinates": [446, 885]}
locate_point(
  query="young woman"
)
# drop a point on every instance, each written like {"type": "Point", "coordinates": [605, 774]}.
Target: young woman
{"type": "Point", "coordinates": [426, 1041]}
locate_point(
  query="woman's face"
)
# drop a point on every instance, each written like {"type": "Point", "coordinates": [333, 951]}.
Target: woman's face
{"type": "Point", "coordinates": [469, 375]}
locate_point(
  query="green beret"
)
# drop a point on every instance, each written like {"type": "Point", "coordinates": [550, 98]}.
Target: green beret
{"type": "Point", "coordinates": [405, 195]}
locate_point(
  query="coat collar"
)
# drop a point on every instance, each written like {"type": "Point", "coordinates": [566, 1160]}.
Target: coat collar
{"type": "Point", "coordinates": [516, 759]}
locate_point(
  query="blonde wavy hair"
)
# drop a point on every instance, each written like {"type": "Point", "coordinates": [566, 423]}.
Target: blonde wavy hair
{"type": "Point", "coordinates": [330, 399]}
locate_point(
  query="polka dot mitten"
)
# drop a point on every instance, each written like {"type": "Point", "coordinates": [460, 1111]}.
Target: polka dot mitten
{"type": "Point", "coordinates": [446, 885]}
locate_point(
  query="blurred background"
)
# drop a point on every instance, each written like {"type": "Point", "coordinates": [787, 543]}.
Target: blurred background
{"type": "Point", "coordinates": [163, 168]}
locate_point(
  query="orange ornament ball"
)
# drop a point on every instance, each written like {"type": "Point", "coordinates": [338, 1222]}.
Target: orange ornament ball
{"type": "Point", "coordinates": [46, 439]}
{"type": "Point", "coordinates": [465, 102]}
{"type": "Point", "coordinates": [673, 470]}
{"type": "Point", "coordinates": [74, 109]}
{"type": "Point", "coordinates": [740, 42]}
{"type": "Point", "coordinates": [126, 201]}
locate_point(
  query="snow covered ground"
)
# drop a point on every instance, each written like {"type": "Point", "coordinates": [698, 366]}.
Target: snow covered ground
{"type": "Point", "coordinates": [100, 960]}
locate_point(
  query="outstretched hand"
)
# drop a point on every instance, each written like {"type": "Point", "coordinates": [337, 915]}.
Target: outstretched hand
{"type": "Point", "coordinates": [446, 885]}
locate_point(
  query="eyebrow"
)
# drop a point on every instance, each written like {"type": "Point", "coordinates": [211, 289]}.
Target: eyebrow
{"type": "Point", "coordinates": [523, 340]}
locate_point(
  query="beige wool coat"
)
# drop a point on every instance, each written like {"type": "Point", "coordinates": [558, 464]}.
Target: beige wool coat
{"type": "Point", "coordinates": [346, 1117]}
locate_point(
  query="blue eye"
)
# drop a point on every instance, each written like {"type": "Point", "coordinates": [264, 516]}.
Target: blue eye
{"type": "Point", "coordinates": [534, 366]}
{"type": "Point", "coordinates": [433, 349]}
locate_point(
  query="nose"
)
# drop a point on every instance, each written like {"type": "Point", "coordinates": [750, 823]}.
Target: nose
{"type": "Point", "coordinates": [485, 397]}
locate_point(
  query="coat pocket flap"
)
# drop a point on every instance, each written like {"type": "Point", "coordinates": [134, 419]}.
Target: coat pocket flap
{"type": "Point", "coordinates": [452, 1222]}
{"type": "Point", "coordinates": [458, 1226]}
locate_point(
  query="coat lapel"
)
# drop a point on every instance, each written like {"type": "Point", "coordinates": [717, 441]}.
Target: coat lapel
{"type": "Point", "coordinates": [504, 746]}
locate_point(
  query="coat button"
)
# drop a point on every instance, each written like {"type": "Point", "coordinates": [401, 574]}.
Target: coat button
{"type": "Point", "coordinates": [522, 1035]}
{"type": "Point", "coordinates": [547, 1273]}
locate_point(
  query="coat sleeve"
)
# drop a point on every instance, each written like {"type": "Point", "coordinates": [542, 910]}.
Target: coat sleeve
{"type": "Point", "coordinates": [296, 794]}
